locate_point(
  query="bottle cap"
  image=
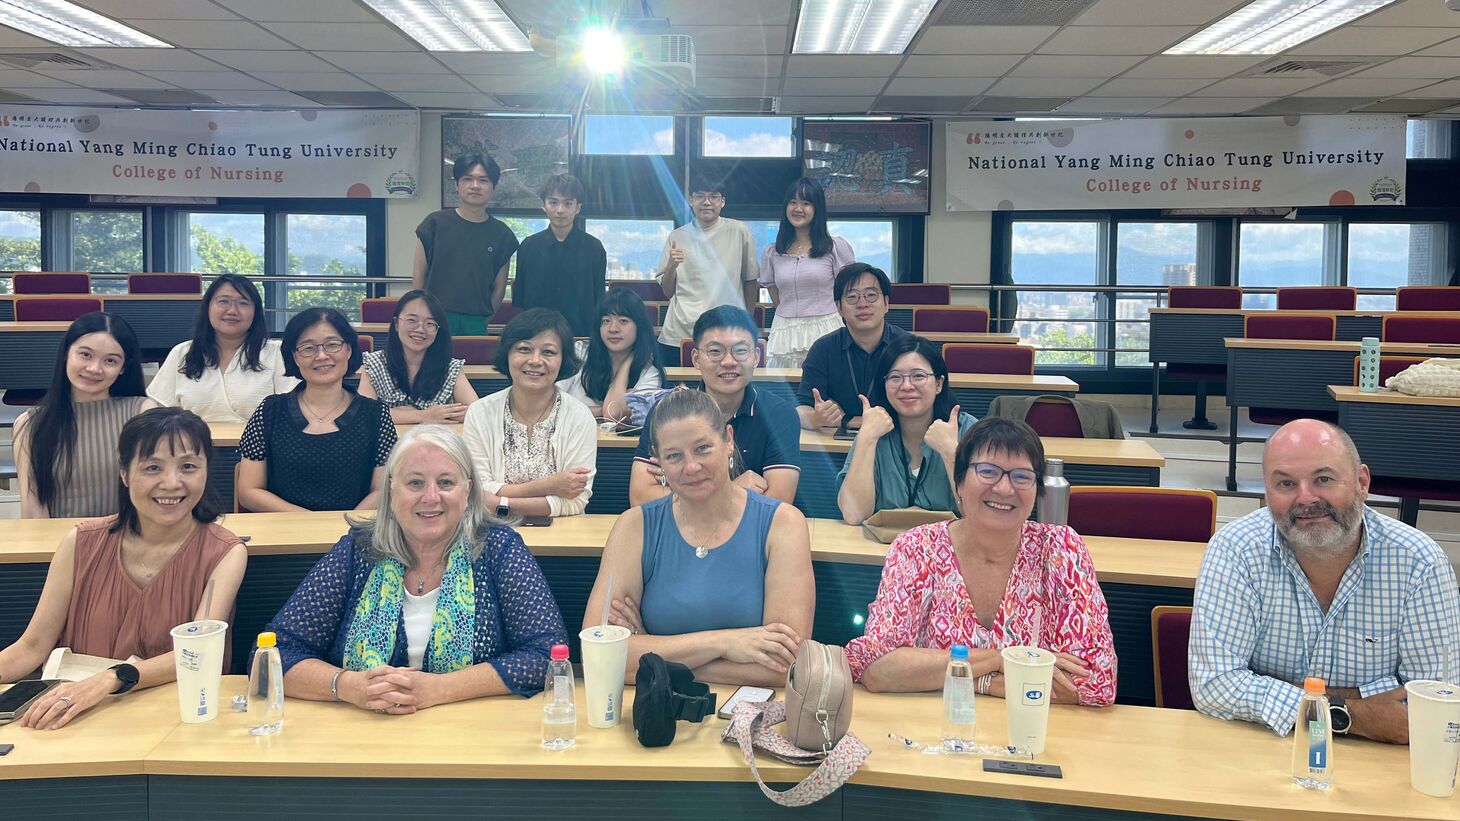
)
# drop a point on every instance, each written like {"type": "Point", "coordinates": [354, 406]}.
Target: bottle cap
{"type": "Point", "coordinates": [560, 652]}
{"type": "Point", "coordinates": [267, 640]}
{"type": "Point", "coordinates": [960, 652]}
{"type": "Point", "coordinates": [1316, 686]}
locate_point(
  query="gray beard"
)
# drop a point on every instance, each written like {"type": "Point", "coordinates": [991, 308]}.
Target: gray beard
{"type": "Point", "coordinates": [1329, 541]}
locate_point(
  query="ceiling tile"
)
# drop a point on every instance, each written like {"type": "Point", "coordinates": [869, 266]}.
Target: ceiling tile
{"type": "Point", "coordinates": [343, 36]}
{"type": "Point", "coordinates": [1258, 87]}
{"type": "Point", "coordinates": [1433, 68]}
{"type": "Point", "coordinates": [1365, 87]}
{"type": "Point", "coordinates": [1449, 48]}
{"type": "Point", "coordinates": [1050, 65]}
{"type": "Point", "coordinates": [841, 65]}
{"type": "Point", "coordinates": [1148, 13]}
{"type": "Point", "coordinates": [457, 102]}
{"type": "Point", "coordinates": [1212, 105]}
{"type": "Point", "coordinates": [273, 99]}
{"type": "Point", "coordinates": [738, 86]}
{"type": "Point", "coordinates": [509, 63]}
{"type": "Point", "coordinates": [1195, 66]}
{"type": "Point", "coordinates": [418, 82]}
{"type": "Point", "coordinates": [966, 86]}
{"type": "Point", "coordinates": [514, 83]}
{"type": "Point", "coordinates": [1142, 87]}
{"type": "Point", "coordinates": [740, 12]}
{"type": "Point", "coordinates": [844, 86]}
{"type": "Point", "coordinates": [737, 39]}
{"type": "Point", "coordinates": [268, 60]}
{"type": "Point", "coordinates": [17, 78]}
{"type": "Point", "coordinates": [959, 65]}
{"type": "Point", "coordinates": [1449, 88]}
{"type": "Point", "coordinates": [825, 105]}
{"type": "Point", "coordinates": [754, 65]}
{"type": "Point", "coordinates": [314, 81]}
{"type": "Point", "coordinates": [1311, 105]}
{"type": "Point", "coordinates": [1412, 13]}
{"type": "Point", "coordinates": [223, 34]}
{"type": "Point", "coordinates": [10, 38]}
{"type": "Point", "coordinates": [104, 78]}
{"type": "Point", "coordinates": [1043, 86]}
{"type": "Point", "coordinates": [211, 80]}
{"type": "Point", "coordinates": [981, 39]}
{"type": "Point", "coordinates": [1017, 105]}
{"type": "Point", "coordinates": [151, 59]}
{"type": "Point", "coordinates": [1111, 105]}
{"type": "Point", "coordinates": [72, 96]}
{"type": "Point", "coordinates": [1373, 40]}
{"type": "Point", "coordinates": [317, 11]}
{"type": "Point", "coordinates": [923, 103]}
{"type": "Point", "coordinates": [157, 9]}
{"type": "Point", "coordinates": [379, 62]}
{"type": "Point", "coordinates": [1140, 40]}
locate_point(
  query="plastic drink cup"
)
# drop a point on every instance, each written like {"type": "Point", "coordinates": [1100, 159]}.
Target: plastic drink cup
{"type": "Point", "coordinates": [1434, 736]}
{"type": "Point", "coordinates": [1028, 678]}
{"type": "Point", "coordinates": [605, 658]}
{"type": "Point", "coordinates": [197, 648]}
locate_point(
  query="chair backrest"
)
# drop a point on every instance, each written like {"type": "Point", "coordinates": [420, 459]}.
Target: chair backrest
{"type": "Point", "coordinates": [164, 284]}
{"type": "Point", "coordinates": [54, 309]}
{"type": "Point", "coordinates": [504, 314]}
{"type": "Point", "coordinates": [647, 289]}
{"type": "Point", "coordinates": [377, 309]}
{"type": "Point", "coordinates": [1010, 359]}
{"type": "Point", "coordinates": [1170, 634]}
{"type": "Point", "coordinates": [687, 346]}
{"type": "Point", "coordinates": [1324, 298]}
{"type": "Point", "coordinates": [970, 320]}
{"type": "Point", "coordinates": [1427, 298]}
{"type": "Point", "coordinates": [50, 282]}
{"type": "Point", "coordinates": [1054, 416]}
{"type": "Point", "coordinates": [1273, 325]}
{"type": "Point", "coordinates": [758, 316]}
{"type": "Point", "coordinates": [1166, 513]}
{"type": "Point", "coordinates": [1204, 296]}
{"type": "Point", "coordinates": [920, 293]}
{"type": "Point", "coordinates": [476, 350]}
{"type": "Point", "coordinates": [1389, 366]}
{"type": "Point", "coordinates": [367, 343]}
{"type": "Point", "coordinates": [237, 507]}
{"type": "Point", "coordinates": [1435, 330]}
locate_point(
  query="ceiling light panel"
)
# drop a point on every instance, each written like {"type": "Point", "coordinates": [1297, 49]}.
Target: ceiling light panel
{"type": "Point", "coordinates": [454, 25]}
{"type": "Point", "coordinates": [1274, 26]}
{"type": "Point", "coordinates": [71, 25]}
{"type": "Point", "coordinates": [859, 26]}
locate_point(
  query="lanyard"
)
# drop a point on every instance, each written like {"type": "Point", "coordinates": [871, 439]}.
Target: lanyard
{"type": "Point", "coordinates": [913, 485]}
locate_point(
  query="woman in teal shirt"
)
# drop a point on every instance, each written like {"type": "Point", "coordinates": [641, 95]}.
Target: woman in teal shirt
{"type": "Point", "coordinates": [903, 453]}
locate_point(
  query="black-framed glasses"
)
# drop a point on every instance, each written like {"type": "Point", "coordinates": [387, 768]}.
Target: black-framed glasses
{"type": "Point", "coordinates": [331, 347]}
{"type": "Point", "coordinates": [990, 474]}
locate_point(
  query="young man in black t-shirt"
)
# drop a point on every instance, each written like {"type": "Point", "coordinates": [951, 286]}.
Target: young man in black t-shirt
{"type": "Point", "coordinates": [462, 253]}
{"type": "Point", "coordinates": [562, 266]}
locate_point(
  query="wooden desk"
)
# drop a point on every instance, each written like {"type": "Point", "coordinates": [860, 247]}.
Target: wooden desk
{"type": "Point", "coordinates": [1120, 762]}
{"type": "Point", "coordinates": [1294, 374]}
{"type": "Point", "coordinates": [1403, 437]}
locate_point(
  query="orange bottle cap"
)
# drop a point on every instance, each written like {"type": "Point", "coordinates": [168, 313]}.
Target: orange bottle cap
{"type": "Point", "coordinates": [1315, 686]}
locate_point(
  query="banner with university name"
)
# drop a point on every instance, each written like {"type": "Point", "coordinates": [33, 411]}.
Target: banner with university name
{"type": "Point", "coordinates": [1228, 162]}
{"type": "Point", "coordinates": [307, 153]}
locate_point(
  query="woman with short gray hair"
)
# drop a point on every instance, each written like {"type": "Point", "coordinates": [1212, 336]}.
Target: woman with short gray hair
{"type": "Point", "coordinates": [430, 601]}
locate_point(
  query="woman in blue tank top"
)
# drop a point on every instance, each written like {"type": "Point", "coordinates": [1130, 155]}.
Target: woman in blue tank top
{"type": "Point", "coordinates": [712, 576]}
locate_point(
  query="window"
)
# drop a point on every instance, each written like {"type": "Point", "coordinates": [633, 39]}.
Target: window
{"type": "Point", "coordinates": [1392, 255]}
{"type": "Point", "coordinates": [871, 241]}
{"type": "Point", "coordinates": [220, 243]}
{"type": "Point", "coordinates": [1427, 139]}
{"type": "Point", "coordinates": [20, 242]}
{"type": "Point", "coordinates": [1058, 253]}
{"type": "Point", "coordinates": [326, 245]}
{"type": "Point", "coordinates": [1156, 254]}
{"type": "Point", "coordinates": [628, 134]}
{"type": "Point", "coordinates": [1283, 254]}
{"type": "Point", "coordinates": [522, 228]}
{"type": "Point", "coordinates": [749, 137]}
{"type": "Point", "coordinates": [633, 246]}
{"type": "Point", "coordinates": [104, 242]}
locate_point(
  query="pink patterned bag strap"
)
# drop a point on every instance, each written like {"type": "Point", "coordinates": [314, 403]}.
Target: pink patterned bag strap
{"type": "Point", "coordinates": [751, 729]}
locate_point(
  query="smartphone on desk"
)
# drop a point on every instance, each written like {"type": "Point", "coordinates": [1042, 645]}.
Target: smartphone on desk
{"type": "Point", "coordinates": [14, 701]}
{"type": "Point", "coordinates": [745, 693]}
{"type": "Point", "coordinates": [536, 521]}
{"type": "Point", "coordinates": [844, 432]}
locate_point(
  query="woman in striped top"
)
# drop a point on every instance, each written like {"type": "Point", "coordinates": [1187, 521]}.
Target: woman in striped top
{"type": "Point", "coordinates": [66, 447]}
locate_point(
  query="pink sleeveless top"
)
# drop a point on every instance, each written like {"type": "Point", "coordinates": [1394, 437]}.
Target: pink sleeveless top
{"type": "Point", "coordinates": [111, 616]}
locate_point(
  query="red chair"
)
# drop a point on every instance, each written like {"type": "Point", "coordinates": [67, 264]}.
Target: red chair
{"type": "Point", "coordinates": [1164, 513]}
{"type": "Point", "coordinates": [687, 346]}
{"type": "Point", "coordinates": [504, 314]}
{"type": "Point", "coordinates": [1272, 325]}
{"type": "Point", "coordinates": [476, 350]}
{"type": "Point", "coordinates": [379, 309]}
{"type": "Point", "coordinates": [1428, 298]}
{"type": "Point", "coordinates": [367, 343]}
{"type": "Point", "coordinates": [1433, 330]}
{"type": "Point", "coordinates": [1054, 416]}
{"type": "Point", "coordinates": [1220, 297]}
{"type": "Point", "coordinates": [1204, 296]}
{"type": "Point", "coordinates": [950, 320]}
{"type": "Point", "coordinates": [54, 309]}
{"type": "Point", "coordinates": [50, 282]}
{"type": "Point", "coordinates": [1170, 635]}
{"type": "Point", "coordinates": [647, 289]}
{"type": "Point", "coordinates": [1389, 366]}
{"type": "Point", "coordinates": [1317, 299]}
{"type": "Point", "coordinates": [191, 284]}
{"type": "Point", "coordinates": [1010, 359]}
{"type": "Point", "coordinates": [920, 293]}
{"type": "Point", "coordinates": [758, 316]}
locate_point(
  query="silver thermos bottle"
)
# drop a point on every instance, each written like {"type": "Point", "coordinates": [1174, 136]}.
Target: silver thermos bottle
{"type": "Point", "coordinates": [1054, 497]}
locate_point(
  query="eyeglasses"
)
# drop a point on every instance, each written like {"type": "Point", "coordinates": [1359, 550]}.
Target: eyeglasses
{"type": "Point", "coordinates": [333, 346]}
{"type": "Point", "coordinates": [225, 303]}
{"type": "Point", "coordinates": [411, 323]}
{"type": "Point", "coordinates": [918, 378]}
{"type": "Point", "coordinates": [990, 474]}
{"type": "Point", "coordinates": [740, 353]}
{"type": "Point", "coordinates": [859, 297]}
{"type": "Point", "coordinates": [701, 196]}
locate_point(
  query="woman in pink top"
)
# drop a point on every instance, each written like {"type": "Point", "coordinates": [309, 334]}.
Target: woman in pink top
{"type": "Point", "coordinates": [117, 586]}
{"type": "Point", "coordinates": [989, 580]}
{"type": "Point", "coordinates": [798, 270]}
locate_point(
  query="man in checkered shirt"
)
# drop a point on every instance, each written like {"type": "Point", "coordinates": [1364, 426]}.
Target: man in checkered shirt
{"type": "Point", "coordinates": [1319, 584]}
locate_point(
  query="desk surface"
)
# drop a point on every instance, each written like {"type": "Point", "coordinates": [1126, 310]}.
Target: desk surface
{"type": "Point", "coordinates": [1138, 759]}
{"type": "Point", "coordinates": [1415, 348]}
{"type": "Point", "coordinates": [1384, 396]}
{"type": "Point", "coordinates": [33, 326]}
{"type": "Point", "coordinates": [991, 381]}
{"type": "Point", "coordinates": [1273, 312]}
{"type": "Point", "coordinates": [935, 336]}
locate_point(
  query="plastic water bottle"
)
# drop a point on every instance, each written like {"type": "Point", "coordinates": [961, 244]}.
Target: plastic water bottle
{"type": "Point", "coordinates": [1054, 498]}
{"type": "Point", "coordinates": [1313, 738]}
{"type": "Point", "coordinates": [1369, 364]}
{"type": "Point", "coordinates": [266, 688]}
{"type": "Point", "coordinates": [559, 710]}
{"type": "Point", "coordinates": [958, 709]}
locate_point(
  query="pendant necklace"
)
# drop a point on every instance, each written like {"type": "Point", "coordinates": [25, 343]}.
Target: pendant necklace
{"type": "Point", "coordinates": [702, 551]}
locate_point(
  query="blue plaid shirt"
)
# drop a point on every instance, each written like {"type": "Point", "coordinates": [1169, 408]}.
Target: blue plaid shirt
{"type": "Point", "coordinates": [1257, 630]}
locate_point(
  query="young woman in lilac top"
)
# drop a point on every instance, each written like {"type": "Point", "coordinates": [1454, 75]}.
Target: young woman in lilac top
{"type": "Point", "coordinates": [798, 270]}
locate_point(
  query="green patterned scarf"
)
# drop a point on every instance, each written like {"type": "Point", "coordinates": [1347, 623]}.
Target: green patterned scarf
{"type": "Point", "coordinates": [370, 642]}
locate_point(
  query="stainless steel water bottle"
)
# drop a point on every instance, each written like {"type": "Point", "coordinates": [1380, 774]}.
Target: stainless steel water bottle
{"type": "Point", "coordinates": [1054, 497]}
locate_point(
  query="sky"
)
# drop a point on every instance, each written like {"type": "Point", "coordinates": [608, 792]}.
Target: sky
{"type": "Point", "coordinates": [724, 136]}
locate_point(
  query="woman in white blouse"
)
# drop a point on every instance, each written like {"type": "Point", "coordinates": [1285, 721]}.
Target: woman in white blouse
{"type": "Point", "coordinates": [224, 372]}
{"type": "Point", "coordinates": [534, 448]}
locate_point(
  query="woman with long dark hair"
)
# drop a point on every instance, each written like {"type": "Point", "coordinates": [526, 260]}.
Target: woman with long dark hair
{"type": "Point", "coordinates": [619, 359]}
{"type": "Point", "coordinates": [415, 376]}
{"type": "Point", "coordinates": [66, 447]}
{"type": "Point", "coordinates": [230, 364]}
{"type": "Point", "coordinates": [798, 270]}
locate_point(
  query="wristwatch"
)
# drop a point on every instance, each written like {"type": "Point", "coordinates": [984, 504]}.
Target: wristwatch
{"type": "Point", "coordinates": [1338, 715]}
{"type": "Point", "coordinates": [126, 678]}
{"type": "Point", "coordinates": [504, 507]}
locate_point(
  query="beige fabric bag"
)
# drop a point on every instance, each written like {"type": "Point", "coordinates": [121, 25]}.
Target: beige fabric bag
{"type": "Point", "coordinates": [886, 525]}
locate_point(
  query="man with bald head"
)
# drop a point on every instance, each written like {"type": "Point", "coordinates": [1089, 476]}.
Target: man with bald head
{"type": "Point", "coordinates": [1319, 584]}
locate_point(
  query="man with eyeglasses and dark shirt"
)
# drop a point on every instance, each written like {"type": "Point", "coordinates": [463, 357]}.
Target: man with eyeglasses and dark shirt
{"type": "Point", "coordinates": [766, 436]}
{"type": "Point", "coordinates": [838, 368]}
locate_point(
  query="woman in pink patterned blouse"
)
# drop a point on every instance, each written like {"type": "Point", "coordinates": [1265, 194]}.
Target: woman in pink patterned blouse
{"type": "Point", "coordinates": [989, 580]}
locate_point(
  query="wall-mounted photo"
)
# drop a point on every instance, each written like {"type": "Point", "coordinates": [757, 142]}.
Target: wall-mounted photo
{"type": "Point", "coordinates": [528, 149]}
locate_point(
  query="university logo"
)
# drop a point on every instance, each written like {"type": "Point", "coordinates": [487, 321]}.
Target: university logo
{"type": "Point", "coordinates": [1386, 188]}
{"type": "Point", "coordinates": [401, 182]}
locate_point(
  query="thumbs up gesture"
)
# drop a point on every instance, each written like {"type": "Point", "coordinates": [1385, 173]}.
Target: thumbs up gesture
{"type": "Point", "coordinates": [942, 435]}
{"type": "Point", "coordinates": [876, 423]}
{"type": "Point", "coordinates": [676, 255]}
{"type": "Point", "coordinates": [827, 413]}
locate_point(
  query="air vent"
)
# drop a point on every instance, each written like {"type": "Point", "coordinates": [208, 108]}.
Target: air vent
{"type": "Point", "coordinates": [161, 96]}
{"type": "Point", "coordinates": [1304, 68]}
{"type": "Point", "coordinates": [1012, 12]}
{"type": "Point", "coordinates": [1015, 105]}
{"type": "Point", "coordinates": [1311, 105]}
{"type": "Point", "coordinates": [48, 59]}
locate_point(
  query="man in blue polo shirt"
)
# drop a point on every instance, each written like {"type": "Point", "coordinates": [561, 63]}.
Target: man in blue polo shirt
{"type": "Point", "coordinates": [765, 429]}
{"type": "Point", "coordinates": [838, 368]}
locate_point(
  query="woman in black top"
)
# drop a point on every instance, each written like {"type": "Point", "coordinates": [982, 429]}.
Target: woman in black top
{"type": "Point", "coordinates": [319, 447]}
